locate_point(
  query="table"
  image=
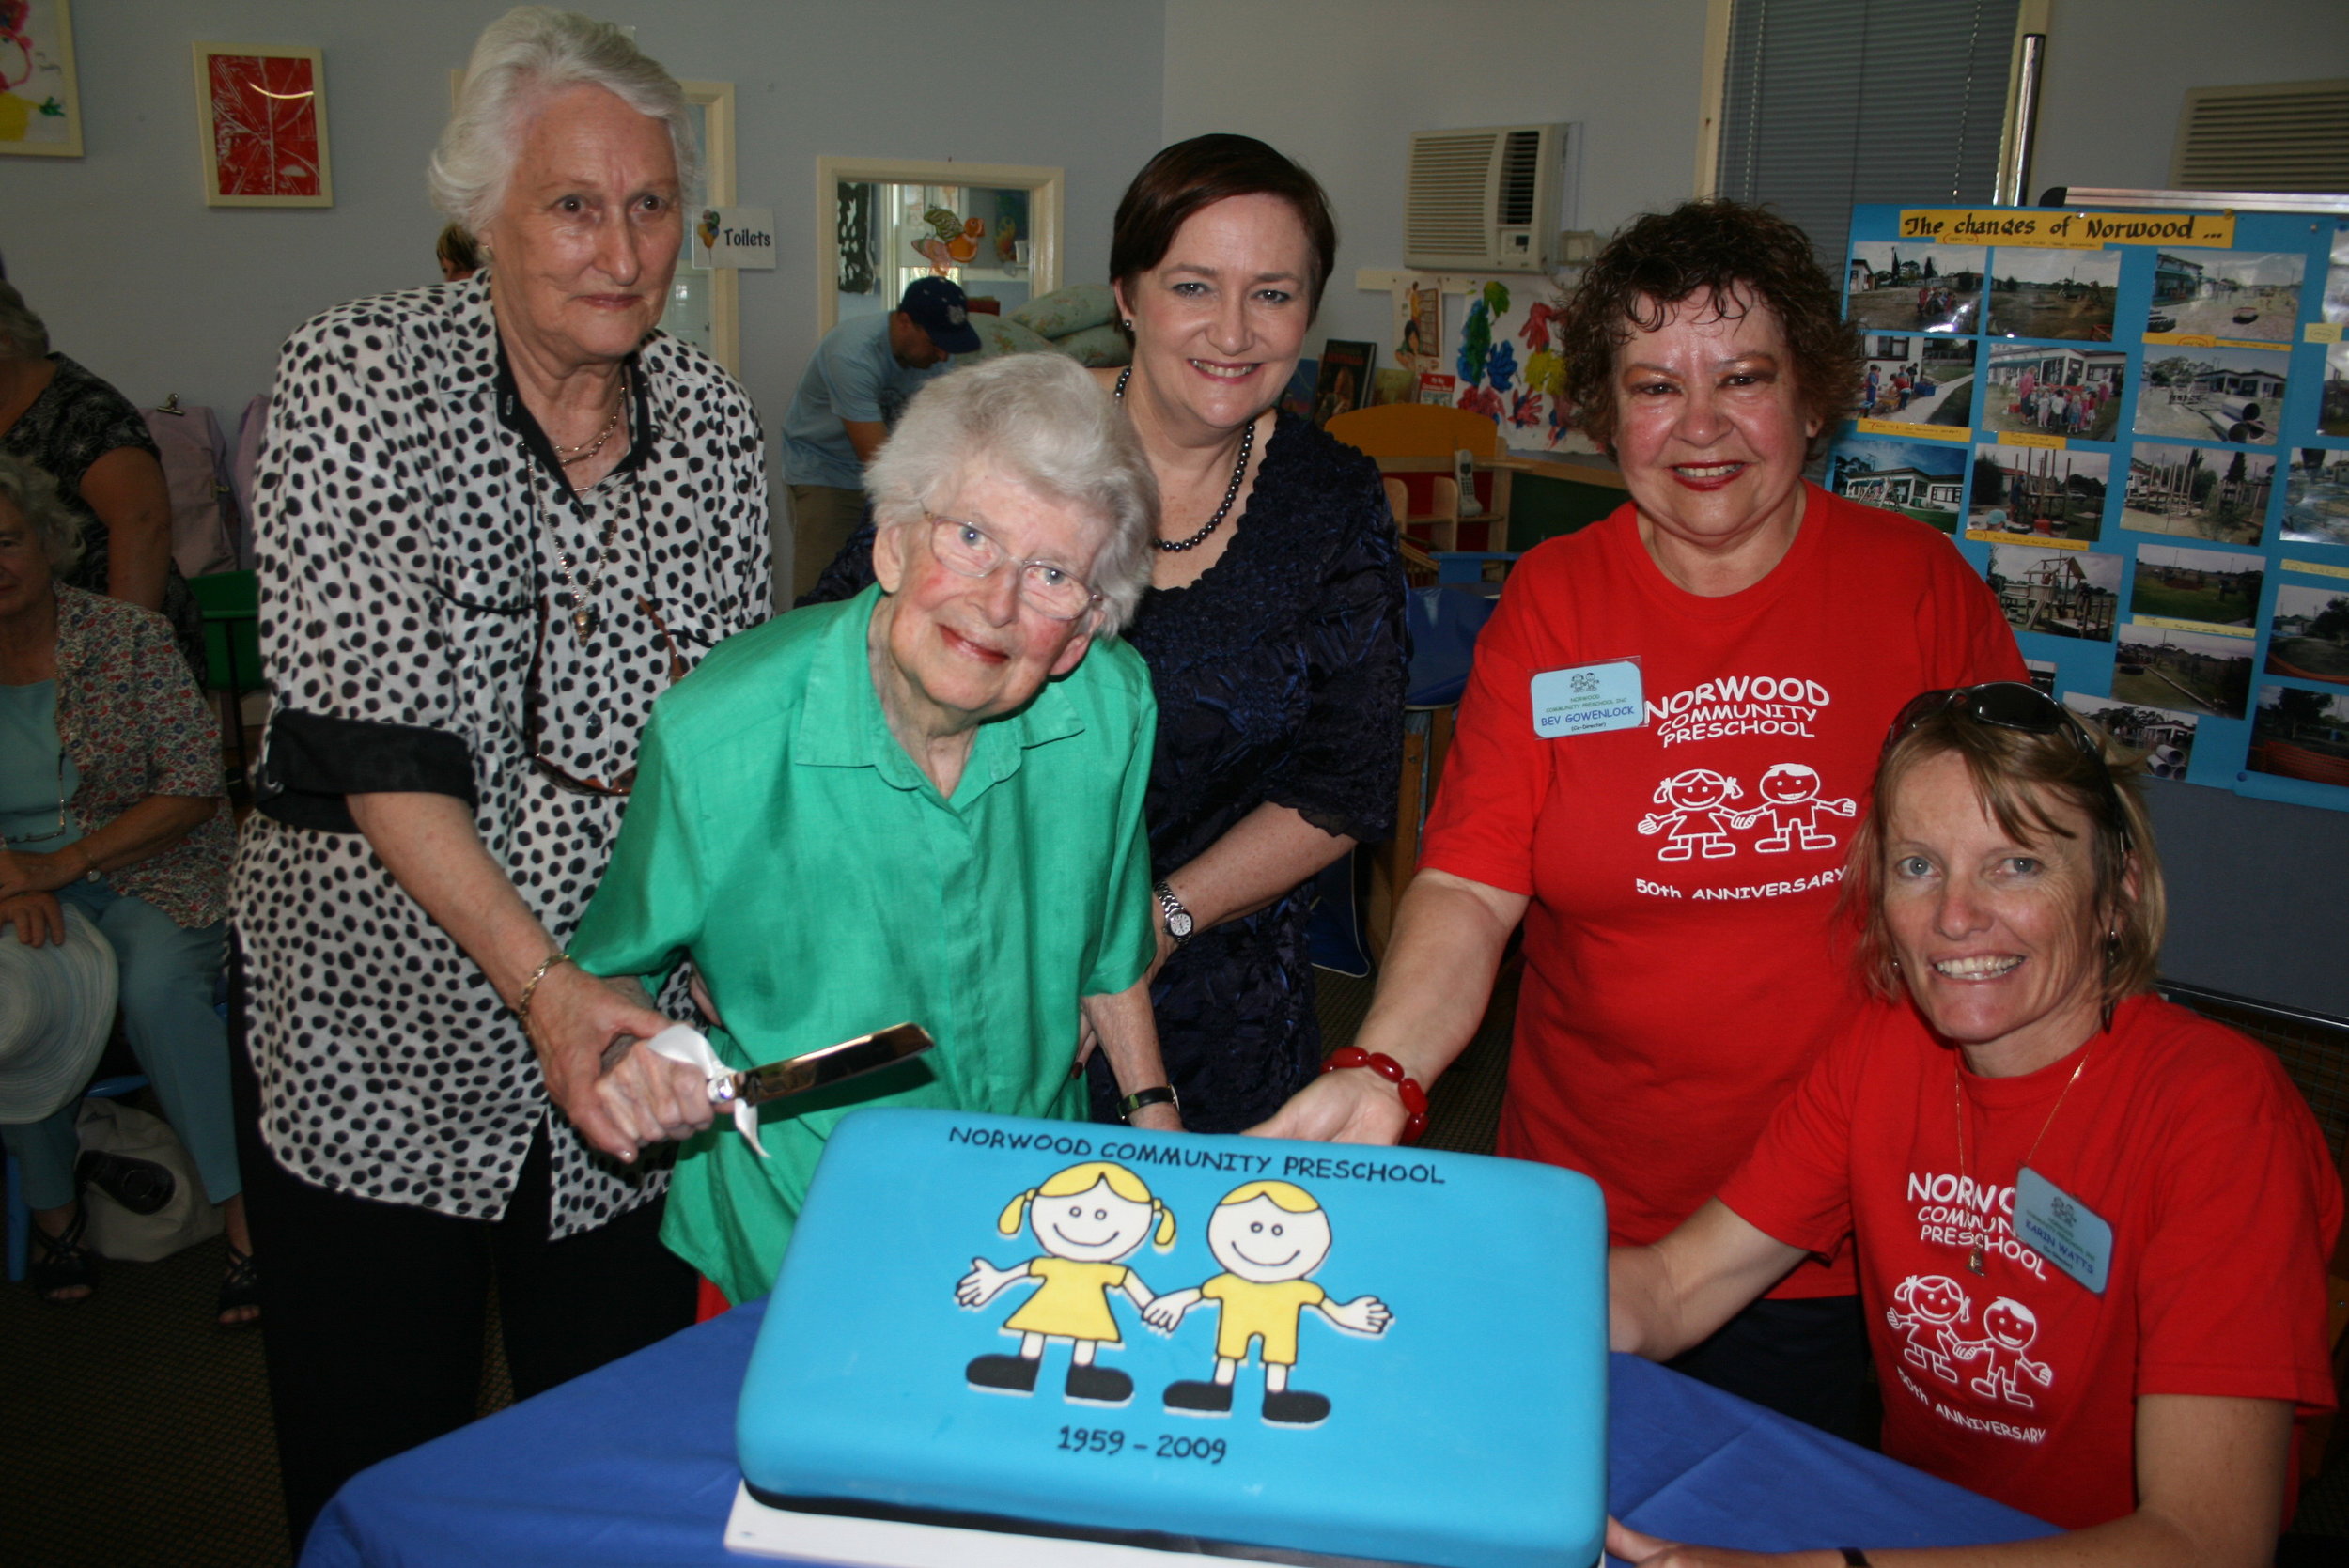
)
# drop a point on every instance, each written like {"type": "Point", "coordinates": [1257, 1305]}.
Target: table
{"type": "Point", "coordinates": [633, 1464]}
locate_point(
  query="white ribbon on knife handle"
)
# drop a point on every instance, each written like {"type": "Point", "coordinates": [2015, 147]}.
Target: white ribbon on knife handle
{"type": "Point", "coordinates": [682, 1042]}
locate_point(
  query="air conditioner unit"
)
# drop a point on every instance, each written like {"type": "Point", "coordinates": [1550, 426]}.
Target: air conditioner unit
{"type": "Point", "coordinates": [1491, 200]}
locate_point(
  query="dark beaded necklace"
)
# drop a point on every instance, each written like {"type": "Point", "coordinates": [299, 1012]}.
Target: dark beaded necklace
{"type": "Point", "coordinates": [1231, 491]}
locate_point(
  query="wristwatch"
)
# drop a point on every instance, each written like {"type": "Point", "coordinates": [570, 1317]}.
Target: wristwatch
{"type": "Point", "coordinates": [1162, 1095]}
{"type": "Point", "coordinates": [1178, 922]}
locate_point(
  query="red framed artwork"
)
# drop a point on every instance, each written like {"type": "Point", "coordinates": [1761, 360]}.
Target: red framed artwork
{"type": "Point", "coordinates": [260, 113]}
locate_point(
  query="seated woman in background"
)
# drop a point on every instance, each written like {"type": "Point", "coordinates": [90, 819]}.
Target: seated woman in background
{"type": "Point", "coordinates": [111, 801]}
{"type": "Point", "coordinates": [924, 803]}
{"type": "Point", "coordinates": [2138, 1384]}
{"type": "Point", "coordinates": [88, 438]}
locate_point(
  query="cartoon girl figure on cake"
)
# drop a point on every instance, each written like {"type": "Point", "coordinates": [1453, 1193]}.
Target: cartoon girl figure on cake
{"type": "Point", "coordinates": [1088, 1218]}
{"type": "Point", "coordinates": [1268, 1236]}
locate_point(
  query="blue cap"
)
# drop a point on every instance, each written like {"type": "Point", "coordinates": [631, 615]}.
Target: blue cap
{"type": "Point", "coordinates": [940, 309]}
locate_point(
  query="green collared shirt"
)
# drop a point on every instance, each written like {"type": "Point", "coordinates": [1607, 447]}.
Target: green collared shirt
{"type": "Point", "coordinates": [782, 838]}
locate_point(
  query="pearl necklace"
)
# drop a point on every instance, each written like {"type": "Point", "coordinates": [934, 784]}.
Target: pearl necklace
{"type": "Point", "coordinates": [1231, 491]}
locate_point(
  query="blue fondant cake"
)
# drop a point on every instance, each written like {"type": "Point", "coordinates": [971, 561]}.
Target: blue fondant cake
{"type": "Point", "coordinates": [1320, 1351]}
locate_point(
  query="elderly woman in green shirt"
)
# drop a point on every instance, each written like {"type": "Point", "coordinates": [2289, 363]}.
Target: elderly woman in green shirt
{"type": "Point", "coordinates": [924, 804]}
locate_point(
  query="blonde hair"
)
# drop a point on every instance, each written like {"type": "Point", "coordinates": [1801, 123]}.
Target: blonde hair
{"type": "Point", "coordinates": [1287, 1197]}
{"type": "Point", "coordinates": [1084, 1178]}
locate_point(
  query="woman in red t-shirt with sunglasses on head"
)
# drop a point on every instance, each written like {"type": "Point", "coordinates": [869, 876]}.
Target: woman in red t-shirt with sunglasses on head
{"type": "Point", "coordinates": [1670, 725]}
{"type": "Point", "coordinates": [2091, 1227]}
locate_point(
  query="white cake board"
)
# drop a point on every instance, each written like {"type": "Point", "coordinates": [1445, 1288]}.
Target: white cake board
{"type": "Point", "coordinates": [764, 1531]}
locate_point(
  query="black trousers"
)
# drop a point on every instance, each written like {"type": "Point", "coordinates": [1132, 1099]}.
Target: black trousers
{"type": "Point", "coordinates": [373, 1314]}
{"type": "Point", "coordinates": [1807, 1360]}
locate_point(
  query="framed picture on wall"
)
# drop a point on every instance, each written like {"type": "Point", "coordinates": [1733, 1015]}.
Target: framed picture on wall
{"type": "Point", "coordinates": [40, 114]}
{"type": "Point", "coordinates": [260, 119]}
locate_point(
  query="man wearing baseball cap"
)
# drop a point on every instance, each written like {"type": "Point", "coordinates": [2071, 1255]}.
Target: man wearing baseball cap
{"type": "Point", "coordinates": [862, 373]}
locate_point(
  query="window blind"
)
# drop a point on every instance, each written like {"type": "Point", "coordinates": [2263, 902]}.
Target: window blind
{"type": "Point", "coordinates": [1829, 102]}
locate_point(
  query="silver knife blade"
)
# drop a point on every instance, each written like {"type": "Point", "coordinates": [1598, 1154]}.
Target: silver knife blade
{"type": "Point", "coordinates": [819, 1069]}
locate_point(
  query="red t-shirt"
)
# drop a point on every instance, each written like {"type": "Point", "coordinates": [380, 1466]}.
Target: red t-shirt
{"type": "Point", "coordinates": [2022, 1383]}
{"type": "Point", "coordinates": [1679, 970]}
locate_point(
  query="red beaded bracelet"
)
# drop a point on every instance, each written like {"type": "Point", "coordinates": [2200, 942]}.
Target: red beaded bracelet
{"type": "Point", "coordinates": [1414, 1098]}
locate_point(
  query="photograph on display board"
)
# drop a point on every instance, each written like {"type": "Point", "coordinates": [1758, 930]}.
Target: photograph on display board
{"type": "Point", "coordinates": [2336, 307]}
{"type": "Point", "coordinates": [2316, 497]}
{"type": "Point", "coordinates": [2042, 674]}
{"type": "Point", "coordinates": [1916, 377]}
{"type": "Point", "coordinates": [1902, 286]}
{"type": "Point", "coordinates": [2297, 734]}
{"type": "Point", "coordinates": [2212, 394]}
{"type": "Point", "coordinates": [2039, 490]}
{"type": "Point", "coordinates": [1389, 385]}
{"type": "Point", "coordinates": [2309, 635]}
{"type": "Point", "coordinates": [2054, 391]}
{"type": "Point", "coordinates": [2163, 736]}
{"type": "Point", "coordinates": [2213, 587]}
{"type": "Point", "coordinates": [2253, 294]}
{"type": "Point", "coordinates": [2054, 293]}
{"type": "Point", "coordinates": [1920, 479]}
{"type": "Point", "coordinates": [2332, 411]}
{"type": "Point", "coordinates": [2057, 592]}
{"type": "Point", "coordinates": [2199, 672]}
{"type": "Point", "coordinates": [2198, 492]}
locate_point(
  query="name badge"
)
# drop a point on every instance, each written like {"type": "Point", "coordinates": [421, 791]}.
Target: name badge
{"type": "Point", "coordinates": [1588, 698]}
{"type": "Point", "coordinates": [2062, 1230]}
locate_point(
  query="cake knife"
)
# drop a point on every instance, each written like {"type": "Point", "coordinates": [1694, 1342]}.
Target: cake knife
{"type": "Point", "coordinates": [743, 1091]}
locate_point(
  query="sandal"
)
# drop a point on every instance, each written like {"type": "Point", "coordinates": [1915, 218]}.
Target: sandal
{"type": "Point", "coordinates": [240, 1289]}
{"type": "Point", "coordinates": [61, 1264]}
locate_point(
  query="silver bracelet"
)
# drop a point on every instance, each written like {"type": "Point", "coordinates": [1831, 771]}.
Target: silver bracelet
{"type": "Point", "coordinates": [530, 987]}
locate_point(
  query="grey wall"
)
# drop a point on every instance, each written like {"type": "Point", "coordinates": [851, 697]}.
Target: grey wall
{"type": "Point", "coordinates": [2118, 72]}
{"type": "Point", "coordinates": [157, 292]}
{"type": "Point", "coordinates": [1341, 84]}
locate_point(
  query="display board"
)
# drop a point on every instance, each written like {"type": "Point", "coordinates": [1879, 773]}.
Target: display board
{"type": "Point", "coordinates": [2136, 426]}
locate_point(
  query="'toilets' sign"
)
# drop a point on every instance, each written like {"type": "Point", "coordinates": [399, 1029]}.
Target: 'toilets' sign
{"type": "Point", "coordinates": [734, 237]}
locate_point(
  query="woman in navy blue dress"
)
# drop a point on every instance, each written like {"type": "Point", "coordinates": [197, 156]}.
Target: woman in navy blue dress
{"type": "Point", "coordinates": [1274, 627]}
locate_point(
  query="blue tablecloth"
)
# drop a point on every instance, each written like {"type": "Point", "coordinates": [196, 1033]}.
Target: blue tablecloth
{"type": "Point", "coordinates": [634, 1465]}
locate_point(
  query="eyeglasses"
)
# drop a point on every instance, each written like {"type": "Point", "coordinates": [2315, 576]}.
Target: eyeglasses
{"type": "Point", "coordinates": [534, 712]}
{"type": "Point", "coordinates": [59, 831]}
{"type": "Point", "coordinates": [967, 550]}
{"type": "Point", "coordinates": [2012, 705]}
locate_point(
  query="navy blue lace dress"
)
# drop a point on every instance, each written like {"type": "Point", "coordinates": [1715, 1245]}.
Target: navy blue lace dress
{"type": "Point", "coordinates": [1279, 676]}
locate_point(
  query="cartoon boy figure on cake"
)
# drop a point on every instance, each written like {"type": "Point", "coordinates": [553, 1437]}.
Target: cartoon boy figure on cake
{"type": "Point", "coordinates": [1268, 1235]}
{"type": "Point", "coordinates": [1088, 1218]}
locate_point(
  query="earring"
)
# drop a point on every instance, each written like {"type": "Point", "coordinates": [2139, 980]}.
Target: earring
{"type": "Point", "coordinates": [1129, 323]}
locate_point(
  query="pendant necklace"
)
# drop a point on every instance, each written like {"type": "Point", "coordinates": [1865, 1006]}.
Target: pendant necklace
{"type": "Point", "coordinates": [1231, 491]}
{"type": "Point", "coordinates": [586, 619]}
{"type": "Point", "coordinates": [1976, 1258]}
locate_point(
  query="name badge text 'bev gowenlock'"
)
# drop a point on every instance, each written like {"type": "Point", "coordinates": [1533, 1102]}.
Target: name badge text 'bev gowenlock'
{"type": "Point", "coordinates": [1584, 699]}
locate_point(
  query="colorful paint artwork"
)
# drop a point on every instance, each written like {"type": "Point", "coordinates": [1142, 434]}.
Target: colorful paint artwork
{"type": "Point", "coordinates": [262, 117]}
{"type": "Point", "coordinates": [1508, 365]}
{"type": "Point", "coordinates": [39, 114]}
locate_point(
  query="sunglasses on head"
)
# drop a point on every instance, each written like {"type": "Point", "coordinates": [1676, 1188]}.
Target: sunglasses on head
{"type": "Point", "coordinates": [2014, 704]}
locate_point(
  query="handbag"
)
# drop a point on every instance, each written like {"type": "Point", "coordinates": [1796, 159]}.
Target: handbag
{"type": "Point", "coordinates": [185, 1217]}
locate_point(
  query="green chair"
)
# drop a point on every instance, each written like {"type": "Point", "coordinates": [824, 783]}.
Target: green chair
{"type": "Point", "coordinates": [231, 602]}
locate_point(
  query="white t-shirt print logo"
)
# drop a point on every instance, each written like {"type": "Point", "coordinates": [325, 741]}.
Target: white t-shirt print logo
{"type": "Point", "coordinates": [1927, 1309]}
{"type": "Point", "coordinates": [1698, 817]}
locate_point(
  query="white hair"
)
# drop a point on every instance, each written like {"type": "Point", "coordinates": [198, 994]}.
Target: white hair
{"type": "Point", "coordinates": [523, 57]}
{"type": "Point", "coordinates": [1042, 422]}
{"type": "Point", "coordinates": [33, 495]}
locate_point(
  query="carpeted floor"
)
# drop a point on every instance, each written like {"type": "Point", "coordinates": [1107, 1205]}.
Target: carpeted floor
{"type": "Point", "coordinates": [133, 1433]}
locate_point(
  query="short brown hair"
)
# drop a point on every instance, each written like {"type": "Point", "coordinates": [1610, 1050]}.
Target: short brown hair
{"type": "Point", "coordinates": [1204, 170]}
{"type": "Point", "coordinates": [1718, 250]}
{"type": "Point", "coordinates": [2014, 774]}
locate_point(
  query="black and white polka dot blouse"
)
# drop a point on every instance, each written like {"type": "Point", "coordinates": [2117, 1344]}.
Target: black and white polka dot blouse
{"type": "Point", "coordinates": [420, 628]}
